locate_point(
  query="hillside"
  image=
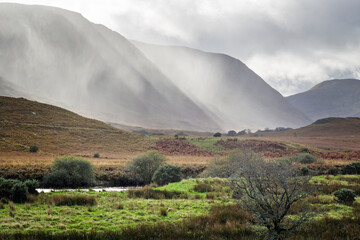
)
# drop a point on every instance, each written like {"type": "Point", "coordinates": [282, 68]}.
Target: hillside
{"type": "Point", "coordinates": [336, 133]}
{"type": "Point", "coordinates": [59, 57]}
{"type": "Point", "coordinates": [58, 131]}
{"type": "Point", "coordinates": [226, 86]}
{"type": "Point", "coordinates": [332, 98]}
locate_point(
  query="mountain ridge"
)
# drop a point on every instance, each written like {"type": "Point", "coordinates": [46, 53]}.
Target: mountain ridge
{"type": "Point", "coordinates": [225, 85]}
{"type": "Point", "coordinates": [331, 98]}
{"type": "Point", "coordinates": [68, 59]}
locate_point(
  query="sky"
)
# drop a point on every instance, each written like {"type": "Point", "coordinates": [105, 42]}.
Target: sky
{"type": "Point", "coordinates": [291, 44]}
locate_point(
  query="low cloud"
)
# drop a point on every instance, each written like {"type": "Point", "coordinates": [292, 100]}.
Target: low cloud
{"type": "Point", "coordinates": [291, 44]}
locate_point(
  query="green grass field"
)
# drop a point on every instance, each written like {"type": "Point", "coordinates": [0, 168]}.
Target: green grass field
{"type": "Point", "coordinates": [116, 210]}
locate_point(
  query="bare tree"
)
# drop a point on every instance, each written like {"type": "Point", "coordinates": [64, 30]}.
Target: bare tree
{"type": "Point", "coordinates": [268, 190]}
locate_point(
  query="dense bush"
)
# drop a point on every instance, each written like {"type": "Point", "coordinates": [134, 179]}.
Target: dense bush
{"type": "Point", "coordinates": [217, 134]}
{"type": "Point", "coordinates": [33, 148]}
{"type": "Point", "coordinates": [227, 166]}
{"type": "Point", "coordinates": [16, 190]}
{"type": "Point", "coordinates": [145, 165]}
{"type": "Point", "coordinates": [304, 158]}
{"type": "Point", "coordinates": [167, 174]}
{"type": "Point", "coordinates": [70, 171]}
{"type": "Point", "coordinates": [304, 170]}
{"type": "Point", "coordinates": [32, 185]}
{"type": "Point", "coordinates": [96, 155]}
{"type": "Point", "coordinates": [71, 200]}
{"type": "Point", "coordinates": [352, 168]}
{"type": "Point", "coordinates": [19, 192]}
{"type": "Point", "coordinates": [345, 195]}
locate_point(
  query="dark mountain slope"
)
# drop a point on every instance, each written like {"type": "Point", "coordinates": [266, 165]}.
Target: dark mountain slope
{"type": "Point", "coordinates": [332, 98]}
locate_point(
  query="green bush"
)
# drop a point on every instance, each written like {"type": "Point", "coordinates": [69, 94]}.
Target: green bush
{"type": "Point", "coordinates": [217, 134]}
{"type": "Point", "coordinates": [167, 174]}
{"type": "Point", "coordinates": [304, 158]}
{"type": "Point", "coordinates": [304, 171]}
{"type": "Point", "coordinates": [227, 166]}
{"type": "Point", "coordinates": [163, 212]}
{"type": "Point", "coordinates": [16, 190]}
{"type": "Point", "coordinates": [345, 195]}
{"type": "Point", "coordinates": [145, 165]}
{"type": "Point", "coordinates": [19, 192]}
{"type": "Point", "coordinates": [33, 148]}
{"type": "Point", "coordinates": [32, 185]}
{"type": "Point", "coordinates": [352, 168]}
{"type": "Point", "coordinates": [96, 155]}
{"type": "Point", "coordinates": [71, 172]}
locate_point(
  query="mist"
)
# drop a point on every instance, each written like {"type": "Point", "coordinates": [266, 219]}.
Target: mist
{"type": "Point", "coordinates": [61, 57]}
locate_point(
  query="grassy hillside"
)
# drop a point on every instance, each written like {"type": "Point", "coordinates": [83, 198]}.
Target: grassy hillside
{"type": "Point", "coordinates": [58, 131]}
{"type": "Point", "coordinates": [327, 127]}
{"type": "Point", "coordinates": [339, 133]}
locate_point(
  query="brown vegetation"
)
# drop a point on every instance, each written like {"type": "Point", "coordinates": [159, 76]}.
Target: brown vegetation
{"type": "Point", "coordinates": [270, 149]}
{"type": "Point", "coordinates": [57, 131]}
{"type": "Point", "coordinates": [180, 147]}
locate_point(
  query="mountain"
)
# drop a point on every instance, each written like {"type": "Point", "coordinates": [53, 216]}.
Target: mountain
{"type": "Point", "coordinates": [332, 98]}
{"type": "Point", "coordinates": [325, 127]}
{"type": "Point", "coordinates": [58, 56]}
{"type": "Point", "coordinates": [327, 133]}
{"type": "Point", "coordinates": [55, 130]}
{"type": "Point", "coordinates": [226, 86]}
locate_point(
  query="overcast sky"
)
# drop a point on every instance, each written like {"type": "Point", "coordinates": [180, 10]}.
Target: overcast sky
{"type": "Point", "coordinates": [291, 44]}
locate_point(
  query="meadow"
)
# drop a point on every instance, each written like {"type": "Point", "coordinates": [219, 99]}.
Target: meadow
{"type": "Point", "coordinates": [188, 206]}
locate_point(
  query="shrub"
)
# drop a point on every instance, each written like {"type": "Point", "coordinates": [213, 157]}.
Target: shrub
{"type": "Point", "coordinates": [167, 174]}
{"type": "Point", "coordinates": [70, 200]}
{"type": "Point", "coordinates": [119, 206]}
{"type": "Point", "coordinates": [19, 192]}
{"type": "Point", "coordinates": [345, 195]}
{"type": "Point", "coordinates": [227, 166]}
{"type": "Point", "coordinates": [146, 164]}
{"type": "Point", "coordinates": [203, 187]}
{"type": "Point", "coordinates": [304, 150]}
{"type": "Point", "coordinates": [70, 171]}
{"type": "Point", "coordinates": [33, 148]}
{"type": "Point", "coordinates": [32, 185]}
{"type": "Point", "coordinates": [217, 134]}
{"type": "Point", "coordinates": [333, 171]}
{"type": "Point", "coordinates": [304, 171]}
{"type": "Point", "coordinates": [13, 189]}
{"type": "Point", "coordinates": [352, 168]}
{"type": "Point", "coordinates": [96, 155]}
{"type": "Point", "coordinates": [163, 212]}
{"type": "Point", "coordinates": [304, 158]}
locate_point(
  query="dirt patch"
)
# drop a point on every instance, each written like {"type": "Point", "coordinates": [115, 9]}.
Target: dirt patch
{"type": "Point", "coordinates": [180, 147]}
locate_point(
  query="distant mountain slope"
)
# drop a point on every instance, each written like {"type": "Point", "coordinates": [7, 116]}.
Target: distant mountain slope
{"type": "Point", "coordinates": [56, 130]}
{"type": "Point", "coordinates": [332, 98]}
{"type": "Point", "coordinates": [326, 127]}
{"type": "Point", "coordinates": [64, 58]}
{"type": "Point", "coordinates": [225, 86]}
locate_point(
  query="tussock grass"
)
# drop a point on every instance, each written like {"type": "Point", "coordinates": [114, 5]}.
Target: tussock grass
{"type": "Point", "coordinates": [71, 200]}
